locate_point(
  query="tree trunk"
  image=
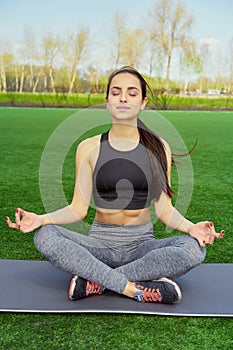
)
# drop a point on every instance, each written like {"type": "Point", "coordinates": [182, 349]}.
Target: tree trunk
{"type": "Point", "coordinates": [3, 76]}
{"type": "Point", "coordinates": [45, 83]}
{"type": "Point", "coordinates": [36, 83]}
{"type": "Point", "coordinates": [3, 80]}
{"type": "Point", "coordinates": [201, 84]}
{"type": "Point", "coordinates": [72, 80]}
{"type": "Point", "coordinates": [31, 78]}
{"type": "Point", "coordinates": [21, 80]}
{"type": "Point", "coordinates": [52, 80]}
{"type": "Point", "coordinates": [16, 79]}
{"type": "Point", "coordinates": [168, 73]}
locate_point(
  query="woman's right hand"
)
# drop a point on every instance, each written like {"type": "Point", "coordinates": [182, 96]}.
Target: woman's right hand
{"type": "Point", "coordinates": [25, 221]}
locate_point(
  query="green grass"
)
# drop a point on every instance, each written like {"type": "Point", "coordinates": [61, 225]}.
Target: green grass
{"type": "Point", "coordinates": [50, 100]}
{"type": "Point", "coordinates": [24, 133]}
{"type": "Point", "coordinates": [194, 102]}
{"type": "Point", "coordinates": [16, 99]}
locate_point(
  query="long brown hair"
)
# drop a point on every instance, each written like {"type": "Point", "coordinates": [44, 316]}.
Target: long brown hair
{"type": "Point", "coordinates": [152, 142]}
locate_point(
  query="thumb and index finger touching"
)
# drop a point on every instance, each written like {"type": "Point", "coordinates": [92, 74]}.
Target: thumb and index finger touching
{"type": "Point", "coordinates": [213, 232]}
{"type": "Point", "coordinates": [18, 213]}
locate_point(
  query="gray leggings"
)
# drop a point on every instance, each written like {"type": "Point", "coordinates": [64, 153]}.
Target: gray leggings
{"type": "Point", "coordinates": [112, 255]}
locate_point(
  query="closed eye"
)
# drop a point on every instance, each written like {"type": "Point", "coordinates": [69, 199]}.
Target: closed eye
{"type": "Point", "coordinates": [133, 91]}
{"type": "Point", "coordinates": [115, 91]}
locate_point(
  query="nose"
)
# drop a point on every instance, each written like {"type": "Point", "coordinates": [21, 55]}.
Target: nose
{"type": "Point", "coordinates": [123, 97]}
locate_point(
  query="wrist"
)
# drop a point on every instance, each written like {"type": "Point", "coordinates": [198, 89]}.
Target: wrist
{"type": "Point", "coordinates": [189, 229]}
{"type": "Point", "coordinates": [44, 219]}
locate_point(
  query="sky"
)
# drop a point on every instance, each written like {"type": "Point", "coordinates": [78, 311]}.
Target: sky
{"type": "Point", "coordinates": [212, 18]}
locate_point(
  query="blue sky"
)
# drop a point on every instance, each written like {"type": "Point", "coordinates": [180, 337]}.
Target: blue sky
{"type": "Point", "coordinates": [213, 18]}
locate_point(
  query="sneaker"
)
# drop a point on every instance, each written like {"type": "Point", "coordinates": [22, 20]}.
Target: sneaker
{"type": "Point", "coordinates": [80, 288]}
{"type": "Point", "coordinates": [163, 290]}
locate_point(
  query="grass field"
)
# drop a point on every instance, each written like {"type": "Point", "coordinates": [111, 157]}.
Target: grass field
{"type": "Point", "coordinates": [17, 99]}
{"type": "Point", "coordinates": [24, 133]}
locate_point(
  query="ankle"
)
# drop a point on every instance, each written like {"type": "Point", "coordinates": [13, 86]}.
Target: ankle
{"type": "Point", "coordinates": [130, 289]}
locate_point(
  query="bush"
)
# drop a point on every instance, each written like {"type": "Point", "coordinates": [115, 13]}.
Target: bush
{"type": "Point", "coordinates": [84, 100]}
{"type": "Point", "coordinates": [50, 100]}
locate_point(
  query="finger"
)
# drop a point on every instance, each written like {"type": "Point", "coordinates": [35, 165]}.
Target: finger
{"type": "Point", "coordinates": [202, 243]}
{"type": "Point", "coordinates": [219, 235]}
{"type": "Point", "coordinates": [222, 233]}
{"type": "Point", "coordinates": [211, 226]}
{"type": "Point", "coordinates": [206, 224]}
{"type": "Point", "coordinates": [17, 216]}
{"type": "Point", "coordinates": [21, 212]}
{"type": "Point", "coordinates": [18, 213]}
{"type": "Point", "coordinates": [12, 224]}
{"type": "Point", "coordinates": [212, 230]}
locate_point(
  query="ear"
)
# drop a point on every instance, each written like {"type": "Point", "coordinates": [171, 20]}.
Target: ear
{"type": "Point", "coordinates": [144, 103]}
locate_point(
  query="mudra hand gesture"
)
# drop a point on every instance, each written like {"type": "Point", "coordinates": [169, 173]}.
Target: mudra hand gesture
{"type": "Point", "coordinates": [24, 221]}
{"type": "Point", "coordinates": [205, 233]}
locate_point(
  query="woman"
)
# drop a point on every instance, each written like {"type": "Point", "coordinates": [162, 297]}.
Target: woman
{"type": "Point", "coordinates": [125, 170]}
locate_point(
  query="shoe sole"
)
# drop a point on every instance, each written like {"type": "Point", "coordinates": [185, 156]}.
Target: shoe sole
{"type": "Point", "coordinates": [72, 287]}
{"type": "Point", "coordinates": [175, 285]}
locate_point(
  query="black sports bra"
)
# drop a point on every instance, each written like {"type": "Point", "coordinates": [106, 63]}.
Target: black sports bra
{"type": "Point", "coordinates": [122, 179]}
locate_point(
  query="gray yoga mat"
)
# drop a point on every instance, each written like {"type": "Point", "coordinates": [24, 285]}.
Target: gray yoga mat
{"type": "Point", "coordinates": [37, 286]}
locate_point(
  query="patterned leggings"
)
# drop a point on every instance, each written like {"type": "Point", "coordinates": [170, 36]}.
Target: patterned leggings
{"type": "Point", "coordinates": [112, 255]}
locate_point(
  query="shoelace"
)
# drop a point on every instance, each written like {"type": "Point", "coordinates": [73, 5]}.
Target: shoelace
{"type": "Point", "coordinates": [93, 288]}
{"type": "Point", "coordinates": [150, 295]}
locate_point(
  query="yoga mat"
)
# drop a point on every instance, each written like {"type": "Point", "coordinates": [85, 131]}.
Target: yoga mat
{"type": "Point", "coordinates": [37, 286]}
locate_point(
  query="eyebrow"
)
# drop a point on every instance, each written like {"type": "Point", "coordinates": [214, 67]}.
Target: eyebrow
{"type": "Point", "coordinates": [129, 88]}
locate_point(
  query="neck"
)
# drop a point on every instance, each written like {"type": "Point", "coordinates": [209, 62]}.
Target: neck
{"type": "Point", "coordinates": [125, 131]}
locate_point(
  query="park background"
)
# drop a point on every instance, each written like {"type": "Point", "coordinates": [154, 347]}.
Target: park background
{"type": "Point", "coordinates": [59, 54]}
{"type": "Point", "coordinates": [72, 46]}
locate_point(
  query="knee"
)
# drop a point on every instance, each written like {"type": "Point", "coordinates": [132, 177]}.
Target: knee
{"type": "Point", "coordinates": [44, 238]}
{"type": "Point", "coordinates": [195, 252]}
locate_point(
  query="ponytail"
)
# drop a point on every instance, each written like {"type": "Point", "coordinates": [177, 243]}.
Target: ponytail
{"type": "Point", "coordinates": [158, 159]}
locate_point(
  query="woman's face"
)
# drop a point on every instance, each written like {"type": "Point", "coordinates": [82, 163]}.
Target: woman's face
{"type": "Point", "coordinates": [124, 100]}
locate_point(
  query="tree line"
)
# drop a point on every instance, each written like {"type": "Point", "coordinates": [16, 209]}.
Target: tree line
{"type": "Point", "coordinates": [55, 64]}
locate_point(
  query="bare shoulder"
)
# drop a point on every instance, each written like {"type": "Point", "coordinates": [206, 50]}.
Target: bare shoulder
{"type": "Point", "coordinates": [88, 144]}
{"type": "Point", "coordinates": [89, 148]}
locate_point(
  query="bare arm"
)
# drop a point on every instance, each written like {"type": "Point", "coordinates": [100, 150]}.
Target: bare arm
{"type": "Point", "coordinates": [203, 231]}
{"type": "Point", "coordinates": [76, 211]}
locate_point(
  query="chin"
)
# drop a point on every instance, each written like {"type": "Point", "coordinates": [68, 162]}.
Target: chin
{"type": "Point", "coordinates": [124, 117]}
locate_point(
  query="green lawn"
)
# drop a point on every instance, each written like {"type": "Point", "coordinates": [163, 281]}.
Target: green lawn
{"type": "Point", "coordinates": [24, 133]}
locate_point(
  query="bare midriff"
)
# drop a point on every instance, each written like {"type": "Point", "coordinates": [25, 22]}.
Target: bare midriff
{"type": "Point", "coordinates": [123, 217]}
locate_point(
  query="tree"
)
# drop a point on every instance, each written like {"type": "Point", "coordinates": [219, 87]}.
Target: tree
{"type": "Point", "coordinates": [119, 29]}
{"type": "Point", "coordinates": [72, 50]}
{"type": "Point", "coordinates": [133, 44]}
{"type": "Point", "coordinates": [27, 56]}
{"type": "Point", "coordinates": [154, 56]}
{"type": "Point", "coordinates": [3, 87]}
{"type": "Point", "coordinates": [170, 25]}
{"type": "Point", "coordinates": [205, 56]}
{"type": "Point", "coordinates": [191, 62]}
{"type": "Point", "coordinates": [230, 83]}
{"type": "Point", "coordinates": [127, 45]}
{"type": "Point", "coordinates": [50, 47]}
{"type": "Point", "coordinates": [6, 61]}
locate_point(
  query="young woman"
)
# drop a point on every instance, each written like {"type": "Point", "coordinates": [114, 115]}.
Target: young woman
{"type": "Point", "coordinates": [125, 170]}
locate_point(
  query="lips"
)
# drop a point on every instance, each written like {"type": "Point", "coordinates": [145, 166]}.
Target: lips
{"type": "Point", "coordinates": [123, 108]}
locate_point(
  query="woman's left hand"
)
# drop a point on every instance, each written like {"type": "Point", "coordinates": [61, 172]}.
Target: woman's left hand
{"type": "Point", "coordinates": [205, 233]}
